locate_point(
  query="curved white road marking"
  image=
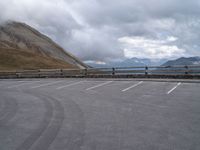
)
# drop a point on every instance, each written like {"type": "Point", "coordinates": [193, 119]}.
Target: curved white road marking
{"type": "Point", "coordinates": [102, 84]}
{"type": "Point", "coordinates": [174, 88]}
{"type": "Point", "coordinates": [124, 90]}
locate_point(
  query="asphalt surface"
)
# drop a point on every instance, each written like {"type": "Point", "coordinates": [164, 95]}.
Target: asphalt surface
{"type": "Point", "coordinates": [91, 114]}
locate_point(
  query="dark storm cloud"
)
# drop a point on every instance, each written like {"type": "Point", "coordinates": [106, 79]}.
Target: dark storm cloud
{"type": "Point", "coordinates": [101, 30]}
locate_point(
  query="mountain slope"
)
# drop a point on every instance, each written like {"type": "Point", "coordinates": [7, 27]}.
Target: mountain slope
{"type": "Point", "coordinates": [12, 59]}
{"type": "Point", "coordinates": [21, 37]}
{"type": "Point", "coordinates": [183, 61]}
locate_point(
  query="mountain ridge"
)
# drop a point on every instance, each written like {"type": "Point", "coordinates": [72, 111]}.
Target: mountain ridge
{"type": "Point", "coordinates": [129, 62]}
{"type": "Point", "coordinates": [142, 62]}
{"type": "Point", "coordinates": [20, 36]}
{"type": "Point", "coordinates": [183, 61]}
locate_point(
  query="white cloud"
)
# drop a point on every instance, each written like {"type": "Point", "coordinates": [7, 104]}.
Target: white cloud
{"type": "Point", "coordinates": [172, 39]}
{"type": "Point", "coordinates": [95, 62]}
{"type": "Point", "coordinates": [142, 47]}
{"type": "Point", "coordinates": [91, 29]}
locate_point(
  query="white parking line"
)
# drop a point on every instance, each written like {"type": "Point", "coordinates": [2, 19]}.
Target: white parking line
{"type": "Point", "coordinates": [47, 84]}
{"type": "Point", "coordinates": [61, 87]}
{"type": "Point", "coordinates": [102, 84]}
{"type": "Point", "coordinates": [21, 81]}
{"type": "Point", "coordinates": [27, 83]}
{"type": "Point", "coordinates": [124, 90]}
{"type": "Point", "coordinates": [174, 88]}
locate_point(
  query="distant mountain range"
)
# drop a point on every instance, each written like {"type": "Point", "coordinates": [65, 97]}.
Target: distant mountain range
{"type": "Point", "coordinates": [148, 62]}
{"type": "Point", "coordinates": [128, 63]}
{"type": "Point", "coordinates": [23, 47]}
{"type": "Point", "coordinates": [183, 61]}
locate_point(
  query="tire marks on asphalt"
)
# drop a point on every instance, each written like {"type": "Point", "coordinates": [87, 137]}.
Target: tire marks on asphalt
{"type": "Point", "coordinates": [75, 131]}
{"type": "Point", "coordinates": [52, 130]}
{"type": "Point", "coordinates": [9, 109]}
{"type": "Point", "coordinates": [48, 129]}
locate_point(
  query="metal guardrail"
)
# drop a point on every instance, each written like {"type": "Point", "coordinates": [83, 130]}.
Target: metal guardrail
{"type": "Point", "coordinates": [139, 71]}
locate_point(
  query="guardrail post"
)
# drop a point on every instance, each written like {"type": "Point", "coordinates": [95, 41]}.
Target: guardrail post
{"type": "Point", "coordinates": [113, 71]}
{"type": "Point", "coordinates": [186, 69]}
{"type": "Point", "coordinates": [61, 72]}
{"type": "Point", "coordinates": [146, 70]}
{"type": "Point", "coordinates": [39, 73]}
{"type": "Point", "coordinates": [17, 74]}
{"type": "Point", "coordinates": [86, 72]}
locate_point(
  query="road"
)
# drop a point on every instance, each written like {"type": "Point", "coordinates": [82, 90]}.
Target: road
{"type": "Point", "coordinates": [99, 114]}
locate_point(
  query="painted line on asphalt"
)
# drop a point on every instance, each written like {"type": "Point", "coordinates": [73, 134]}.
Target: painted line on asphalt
{"type": "Point", "coordinates": [99, 85]}
{"type": "Point", "coordinates": [18, 85]}
{"type": "Point", "coordinates": [21, 81]}
{"type": "Point", "coordinates": [68, 85]}
{"type": "Point", "coordinates": [46, 84]}
{"type": "Point", "coordinates": [174, 88]}
{"type": "Point", "coordinates": [126, 89]}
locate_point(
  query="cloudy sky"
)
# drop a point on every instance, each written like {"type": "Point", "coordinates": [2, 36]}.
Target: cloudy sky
{"type": "Point", "coordinates": [102, 30]}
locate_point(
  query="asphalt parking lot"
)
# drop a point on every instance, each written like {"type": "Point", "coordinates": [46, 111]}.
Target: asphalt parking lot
{"type": "Point", "coordinates": [99, 114]}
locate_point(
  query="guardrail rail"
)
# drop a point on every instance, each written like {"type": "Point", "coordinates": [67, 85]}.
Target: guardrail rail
{"type": "Point", "coordinates": [192, 71]}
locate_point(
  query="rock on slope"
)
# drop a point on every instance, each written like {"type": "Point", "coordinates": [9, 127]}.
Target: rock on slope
{"type": "Point", "coordinates": [20, 37]}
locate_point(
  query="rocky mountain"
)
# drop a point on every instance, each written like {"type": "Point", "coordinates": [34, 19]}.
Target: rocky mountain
{"type": "Point", "coordinates": [183, 61]}
{"type": "Point", "coordinates": [24, 40]}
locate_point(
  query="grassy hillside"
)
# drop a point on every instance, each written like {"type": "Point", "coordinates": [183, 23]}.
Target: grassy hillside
{"type": "Point", "coordinates": [15, 35]}
{"type": "Point", "coordinates": [12, 59]}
